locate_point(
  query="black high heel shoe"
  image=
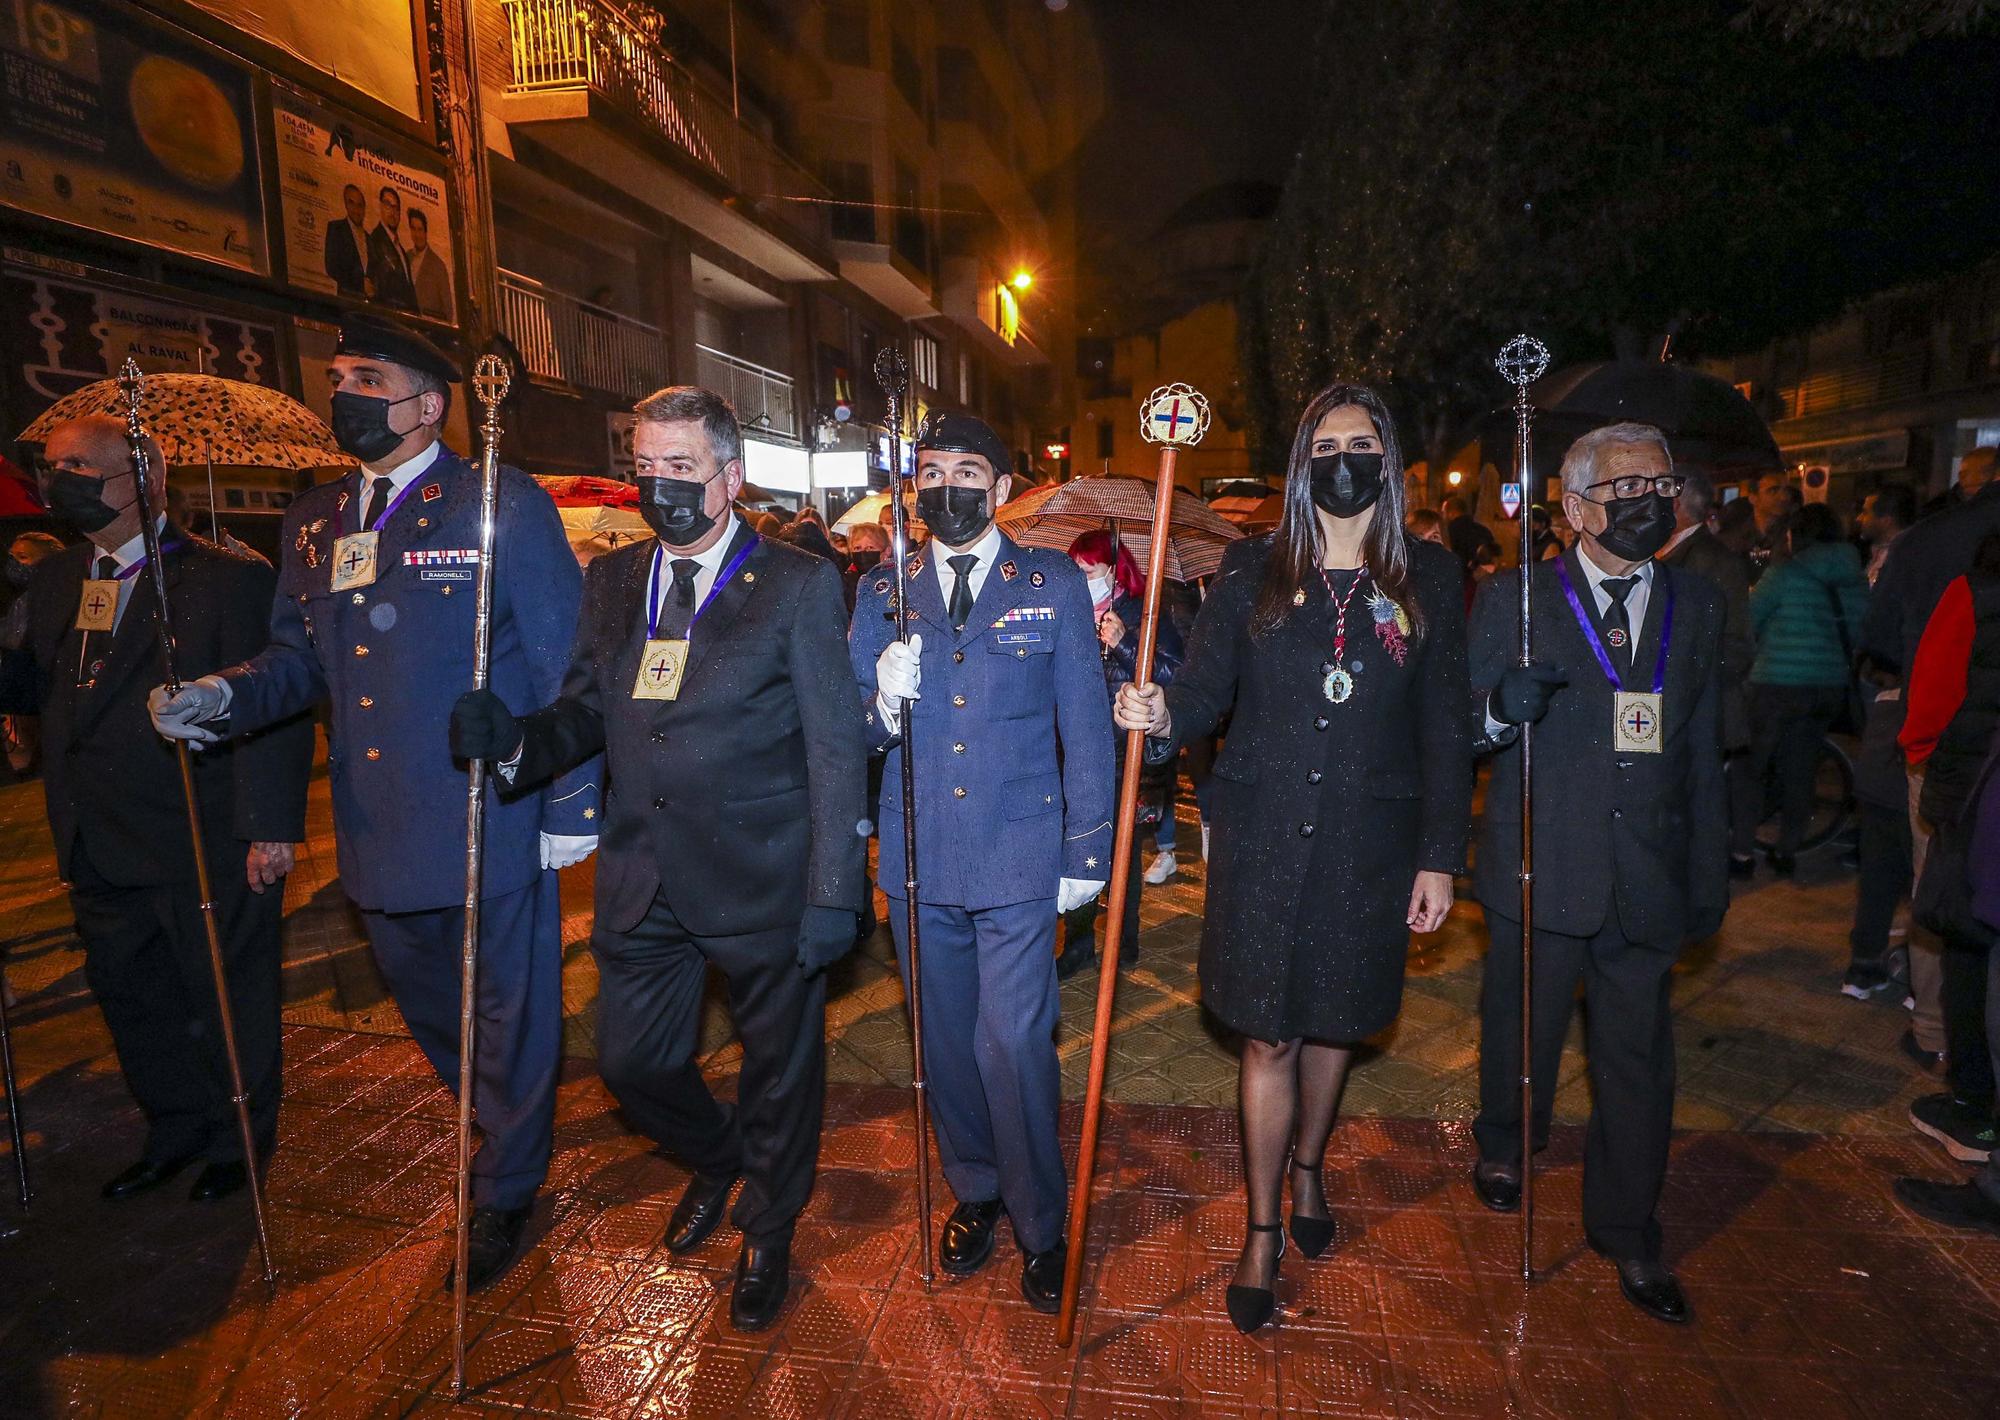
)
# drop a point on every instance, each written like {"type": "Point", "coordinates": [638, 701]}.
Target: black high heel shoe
{"type": "Point", "coordinates": [1313, 1235]}
{"type": "Point", "coordinates": [1251, 1307]}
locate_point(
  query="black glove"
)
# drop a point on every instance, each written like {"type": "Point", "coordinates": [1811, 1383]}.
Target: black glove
{"type": "Point", "coordinates": [1522, 697]}
{"type": "Point", "coordinates": [826, 934]}
{"type": "Point", "coordinates": [482, 727]}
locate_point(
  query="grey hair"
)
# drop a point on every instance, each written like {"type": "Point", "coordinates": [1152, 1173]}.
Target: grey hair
{"type": "Point", "coordinates": [680, 404]}
{"type": "Point", "coordinates": [1698, 495]}
{"type": "Point", "coordinates": [1579, 467]}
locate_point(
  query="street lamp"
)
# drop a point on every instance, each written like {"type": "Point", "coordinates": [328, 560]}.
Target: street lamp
{"type": "Point", "coordinates": [1023, 279]}
{"type": "Point", "coordinates": [1454, 478]}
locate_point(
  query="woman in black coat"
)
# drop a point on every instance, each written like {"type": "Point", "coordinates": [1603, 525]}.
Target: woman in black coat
{"type": "Point", "coordinates": [1340, 801]}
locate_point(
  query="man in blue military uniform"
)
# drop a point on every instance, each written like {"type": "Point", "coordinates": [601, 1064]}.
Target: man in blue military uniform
{"type": "Point", "coordinates": [374, 613]}
{"type": "Point", "coordinates": [1013, 745]}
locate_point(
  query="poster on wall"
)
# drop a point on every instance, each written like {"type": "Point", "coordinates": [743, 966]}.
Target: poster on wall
{"type": "Point", "coordinates": [120, 126]}
{"type": "Point", "coordinates": [364, 44]}
{"type": "Point", "coordinates": [60, 332]}
{"type": "Point", "coordinates": [365, 216]}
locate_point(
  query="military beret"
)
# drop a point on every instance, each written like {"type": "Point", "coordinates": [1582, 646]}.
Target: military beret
{"type": "Point", "coordinates": [960, 433]}
{"type": "Point", "coordinates": [376, 337]}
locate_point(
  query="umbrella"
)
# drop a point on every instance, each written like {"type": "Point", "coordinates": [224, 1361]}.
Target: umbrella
{"type": "Point", "coordinates": [1053, 516]}
{"type": "Point", "coordinates": [600, 528]}
{"type": "Point", "coordinates": [1253, 515]}
{"type": "Point", "coordinates": [206, 419]}
{"type": "Point", "coordinates": [584, 491]}
{"type": "Point", "coordinates": [1707, 420]}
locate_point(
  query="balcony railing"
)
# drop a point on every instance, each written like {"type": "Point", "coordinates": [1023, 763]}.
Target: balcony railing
{"type": "Point", "coordinates": [562, 338]}
{"type": "Point", "coordinates": [1856, 384]}
{"type": "Point", "coordinates": [764, 399]}
{"type": "Point", "coordinates": [567, 44]}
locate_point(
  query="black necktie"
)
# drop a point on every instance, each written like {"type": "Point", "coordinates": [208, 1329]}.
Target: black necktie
{"type": "Point", "coordinates": [679, 612]}
{"type": "Point", "coordinates": [377, 501]}
{"type": "Point", "coordinates": [1617, 622]}
{"type": "Point", "coordinates": [960, 607]}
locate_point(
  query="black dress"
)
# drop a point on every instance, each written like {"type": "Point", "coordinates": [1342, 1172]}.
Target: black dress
{"type": "Point", "coordinates": [1323, 813]}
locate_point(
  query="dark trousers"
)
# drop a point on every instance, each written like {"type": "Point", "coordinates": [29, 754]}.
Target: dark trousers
{"type": "Point", "coordinates": [990, 1011]}
{"type": "Point", "coordinates": [145, 955]}
{"type": "Point", "coordinates": [1629, 1038]}
{"type": "Point", "coordinates": [1884, 880]}
{"type": "Point", "coordinates": [1787, 722]}
{"type": "Point", "coordinates": [650, 984]}
{"type": "Point", "coordinates": [1968, 1052]}
{"type": "Point", "coordinates": [517, 1017]}
{"type": "Point", "coordinates": [1745, 785]}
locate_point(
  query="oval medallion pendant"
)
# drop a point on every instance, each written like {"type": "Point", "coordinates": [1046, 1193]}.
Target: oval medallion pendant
{"type": "Point", "coordinates": [1338, 685]}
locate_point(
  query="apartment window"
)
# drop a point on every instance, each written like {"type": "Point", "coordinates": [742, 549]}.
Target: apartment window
{"type": "Point", "coordinates": [924, 359]}
{"type": "Point", "coordinates": [908, 75]}
{"type": "Point", "coordinates": [912, 243]}
{"type": "Point", "coordinates": [1106, 438]}
{"type": "Point", "coordinates": [847, 35]}
{"type": "Point", "coordinates": [853, 189]}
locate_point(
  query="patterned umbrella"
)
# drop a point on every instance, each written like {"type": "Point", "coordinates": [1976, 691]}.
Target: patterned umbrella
{"type": "Point", "coordinates": [206, 419]}
{"type": "Point", "coordinates": [1054, 515]}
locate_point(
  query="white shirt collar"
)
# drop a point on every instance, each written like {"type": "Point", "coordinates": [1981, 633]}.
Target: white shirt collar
{"type": "Point", "coordinates": [404, 473]}
{"type": "Point", "coordinates": [133, 549]}
{"type": "Point", "coordinates": [1597, 576]}
{"type": "Point", "coordinates": [710, 559]}
{"type": "Point", "coordinates": [986, 550]}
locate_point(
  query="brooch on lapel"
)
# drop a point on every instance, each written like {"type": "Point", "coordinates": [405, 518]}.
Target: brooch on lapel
{"type": "Point", "coordinates": [340, 503]}
{"type": "Point", "coordinates": [882, 586]}
{"type": "Point", "coordinates": [1035, 579]}
{"type": "Point", "coordinates": [1392, 624]}
{"type": "Point", "coordinates": [1008, 571]}
{"type": "Point", "coordinates": [1299, 597]}
{"type": "Point", "coordinates": [749, 579]}
{"type": "Point", "coordinates": [432, 492]}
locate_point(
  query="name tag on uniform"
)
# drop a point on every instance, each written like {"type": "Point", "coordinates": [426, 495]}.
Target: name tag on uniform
{"type": "Point", "coordinates": [98, 611]}
{"type": "Point", "coordinates": [354, 560]}
{"type": "Point", "coordinates": [661, 665]}
{"type": "Point", "coordinates": [1635, 722]}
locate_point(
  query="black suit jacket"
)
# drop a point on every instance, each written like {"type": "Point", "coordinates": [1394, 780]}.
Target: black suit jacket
{"type": "Point", "coordinates": [1707, 555]}
{"type": "Point", "coordinates": [389, 269]}
{"type": "Point", "coordinates": [110, 781]}
{"type": "Point", "coordinates": [745, 799]}
{"type": "Point", "coordinates": [344, 264]}
{"type": "Point", "coordinates": [1648, 831]}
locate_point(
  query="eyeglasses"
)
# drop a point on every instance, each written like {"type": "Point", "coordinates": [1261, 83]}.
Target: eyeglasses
{"type": "Point", "coordinates": [1634, 485]}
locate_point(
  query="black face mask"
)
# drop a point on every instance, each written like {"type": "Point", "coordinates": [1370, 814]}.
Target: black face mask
{"type": "Point", "coordinates": [19, 574]}
{"type": "Point", "coordinates": [865, 560]}
{"type": "Point", "coordinates": [1637, 527]}
{"type": "Point", "coordinates": [672, 508]}
{"type": "Point", "coordinates": [360, 424]}
{"type": "Point", "coordinates": [955, 515]}
{"type": "Point", "coordinates": [1345, 484]}
{"type": "Point", "coordinates": [78, 500]}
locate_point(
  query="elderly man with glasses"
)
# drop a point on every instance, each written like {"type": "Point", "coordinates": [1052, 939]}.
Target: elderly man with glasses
{"type": "Point", "coordinates": [1631, 837]}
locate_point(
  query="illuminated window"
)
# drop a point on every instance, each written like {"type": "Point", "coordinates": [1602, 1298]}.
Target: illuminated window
{"type": "Point", "coordinates": [924, 359]}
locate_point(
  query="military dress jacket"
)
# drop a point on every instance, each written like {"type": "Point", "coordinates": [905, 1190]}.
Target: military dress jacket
{"type": "Point", "coordinates": [1012, 733]}
{"type": "Point", "coordinates": [743, 799]}
{"type": "Point", "coordinates": [391, 658]}
{"type": "Point", "coordinates": [1644, 834]}
{"type": "Point", "coordinates": [113, 784]}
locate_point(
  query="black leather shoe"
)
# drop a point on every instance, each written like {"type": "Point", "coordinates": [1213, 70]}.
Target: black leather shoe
{"type": "Point", "coordinates": [763, 1276]}
{"type": "Point", "coordinates": [1313, 1235]}
{"type": "Point", "coordinates": [967, 1239]}
{"type": "Point", "coordinates": [1497, 1190]}
{"type": "Point", "coordinates": [144, 1175]}
{"type": "Point", "coordinates": [1072, 960]}
{"type": "Point", "coordinates": [219, 1181]}
{"type": "Point", "coordinates": [493, 1242]}
{"type": "Point", "coordinates": [1042, 1277]}
{"type": "Point", "coordinates": [1653, 1290]}
{"type": "Point", "coordinates": [698, 1213]}
{"type": "Point", "coordinates": [1250, 1307]}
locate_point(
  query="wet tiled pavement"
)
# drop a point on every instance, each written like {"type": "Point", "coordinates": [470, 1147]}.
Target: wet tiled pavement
{"type": "Point", "coordinates": [1814, 1294]}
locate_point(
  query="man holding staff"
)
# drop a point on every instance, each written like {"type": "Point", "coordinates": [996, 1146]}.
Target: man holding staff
{"type": "Point", "coordinates": [1013, 792]}
{"type": "Point", "coordinates": [1631, 833]}
{"type": "Point", "coordinates": [374, 613]}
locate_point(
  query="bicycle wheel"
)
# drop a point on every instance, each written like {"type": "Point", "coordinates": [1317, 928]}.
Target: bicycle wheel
{"type": "Point", "coordinates": [1833, 801]}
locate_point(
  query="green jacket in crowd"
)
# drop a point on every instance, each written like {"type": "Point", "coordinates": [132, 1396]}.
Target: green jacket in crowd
{"type": "Point", "coordinates": [1792, 610]}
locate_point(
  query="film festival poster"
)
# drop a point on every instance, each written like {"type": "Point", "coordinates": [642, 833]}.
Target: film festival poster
{"type": "Point", "coordinates": [123, 127]}
{"type": "Point", "coordinates": [365, 219]}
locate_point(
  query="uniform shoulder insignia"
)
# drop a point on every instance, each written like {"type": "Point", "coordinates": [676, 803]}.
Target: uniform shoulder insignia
{"type": "Point", "coordinates": [1008, 571]}
{"type": "Point", "coordinates": [1035, 579]}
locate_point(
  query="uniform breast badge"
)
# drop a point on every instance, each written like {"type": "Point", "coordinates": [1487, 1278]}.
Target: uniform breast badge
{"type": "Point", "coordinates": [1636, 722]}
{"type": "Point", "coordinates": [1035, 579]}
{"type": "Point", "coordinates": [98, 611]}
{"type": "Point", "coordinates": [354, 560]}
{"type": "Point", "coordinates": [661, 666]}
{"type": "Point", "coordinates": [1008, 571]}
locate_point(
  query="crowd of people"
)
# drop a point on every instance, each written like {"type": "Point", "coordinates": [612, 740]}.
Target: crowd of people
{"type": "Point", "coordinates": [725, 715]}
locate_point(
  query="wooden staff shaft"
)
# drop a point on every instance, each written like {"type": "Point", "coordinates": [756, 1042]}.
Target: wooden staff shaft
{"type": "Point", "coordinates": [1114, 906]}
{"type": "Point", "coordinates": [14, 1130]}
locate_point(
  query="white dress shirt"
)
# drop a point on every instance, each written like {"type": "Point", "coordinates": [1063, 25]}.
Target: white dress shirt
{"type": "Point", "coordinates": [402, 475]}
{"type": "Point", "coordinates": [987, 551]}
{"type": "Point", "coordinates": [708, 564]}
{"type": "Point", "coordinates": [133, 549]}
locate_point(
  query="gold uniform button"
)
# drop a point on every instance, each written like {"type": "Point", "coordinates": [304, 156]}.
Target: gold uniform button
{"type": "Point", "coordinates": [1022, 654]}
{"type": "Point", "coordinates": [367, 702]}
{"type": "Point", "coordinates": [959, 701]}
{"type": "Point", "coordinates": [360, 650]}
{"type": "Point", "coordinates": [359, 599]}
{"type": "Point", "coordinates": [374, 753]}
{"type": "Point", "coordinates": [958, 793]}
{"type": "Point", "coordinates": [958, 658]}
{"type": "Point", "coordinates": [958, 748]}
{"type": "Point", "coordinates": [447, 591]}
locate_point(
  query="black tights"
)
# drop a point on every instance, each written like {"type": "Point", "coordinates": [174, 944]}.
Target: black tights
{"type": "Point", "coordinates": [1287, 1093]}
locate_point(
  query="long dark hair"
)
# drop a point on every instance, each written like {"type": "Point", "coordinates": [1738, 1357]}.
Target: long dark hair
{"type": "Point", "coordinates": [1295, 546]}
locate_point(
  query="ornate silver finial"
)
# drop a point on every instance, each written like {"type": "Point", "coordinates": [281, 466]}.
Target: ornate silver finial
{"type": "Point", "coordinates": [1522, 360]}
{"type": "Point", "coordinates": [1173, 414]}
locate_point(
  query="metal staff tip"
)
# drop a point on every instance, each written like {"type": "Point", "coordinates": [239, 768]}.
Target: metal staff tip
{"type": "Point", "coordinates": [1522, 360]}
{"type": "Point", "coordinates": [1174, 414]}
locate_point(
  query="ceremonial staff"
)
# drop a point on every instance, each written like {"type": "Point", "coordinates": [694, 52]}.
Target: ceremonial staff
{"type": "Point", "coordinates": [1173, 416]}
{"type": "Point", "coordinates": [1521, 361]}
{"type": "Point", "coordinates": [892, 373]}
{"type": "Point", "coordinates": [489, 382]}
{"type": "Point", "coordinates": [130, 381]}
{"type": "Point", "coordinates": [13, 1096]}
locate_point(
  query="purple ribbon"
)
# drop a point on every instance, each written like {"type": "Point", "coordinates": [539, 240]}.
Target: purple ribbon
{"type": "Point", "coordinates": [714, 591]}
{"type": "Point", "coordinates": [1603, 657]}
{"type": "Point", "coordinates": [128, 573]}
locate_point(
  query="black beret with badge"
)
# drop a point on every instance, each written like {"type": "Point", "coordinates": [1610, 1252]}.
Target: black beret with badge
{"type": "Point", "coordinates": [960, 433]}
{"type": "Point", "coordinates": [368, 336]}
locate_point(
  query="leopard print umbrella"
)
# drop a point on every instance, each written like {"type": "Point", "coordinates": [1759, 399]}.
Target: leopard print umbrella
{"type": "Point", "coordinates": [206, 419]}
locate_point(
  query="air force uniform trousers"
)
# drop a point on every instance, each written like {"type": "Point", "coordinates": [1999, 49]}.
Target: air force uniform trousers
{"type": "Point", "coordinates": [1630, 865]}
{"type": "Point", "coordinates": [391, 658]}
{"type": "Point", "coordinates": [1013, 744]}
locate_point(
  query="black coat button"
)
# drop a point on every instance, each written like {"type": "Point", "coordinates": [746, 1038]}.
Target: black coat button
{"type": "Point", "coordinates": [1313, 776]}
{"type": "Point", "coordinates": [1319, 722]}
{"type": "Point", "coordinates": [659, 803]}
{"type": "Point", "coordinates": [1305, 830]}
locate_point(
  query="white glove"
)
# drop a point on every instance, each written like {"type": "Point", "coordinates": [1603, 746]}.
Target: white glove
{"type": "Point", "coordinates": [182, 716]}
{"type": "Point", "coordinates": [566, 850]}
{"type": "Point", "coordinates": [1072, 893]}
{"type": "Point", "coordinates": [899, 672]}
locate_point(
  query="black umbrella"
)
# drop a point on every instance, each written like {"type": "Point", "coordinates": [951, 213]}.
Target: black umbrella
{"type": "Point", "coordinates": [1707, 420]}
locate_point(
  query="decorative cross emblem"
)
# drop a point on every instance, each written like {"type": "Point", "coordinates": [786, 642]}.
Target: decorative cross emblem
{"type": "Point", "coordinates": [353, 560]}
{"type": "Point", "coordinates": [1522, 360]}
{"type": "Point", "coordinates": [1173, 418]}
{"type": "Point", "coordinates": [1639, 722]}
{"type": "Point", "coordinates": [660, 668]}
{"type": "Point", "coordinates": [96, 603]}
